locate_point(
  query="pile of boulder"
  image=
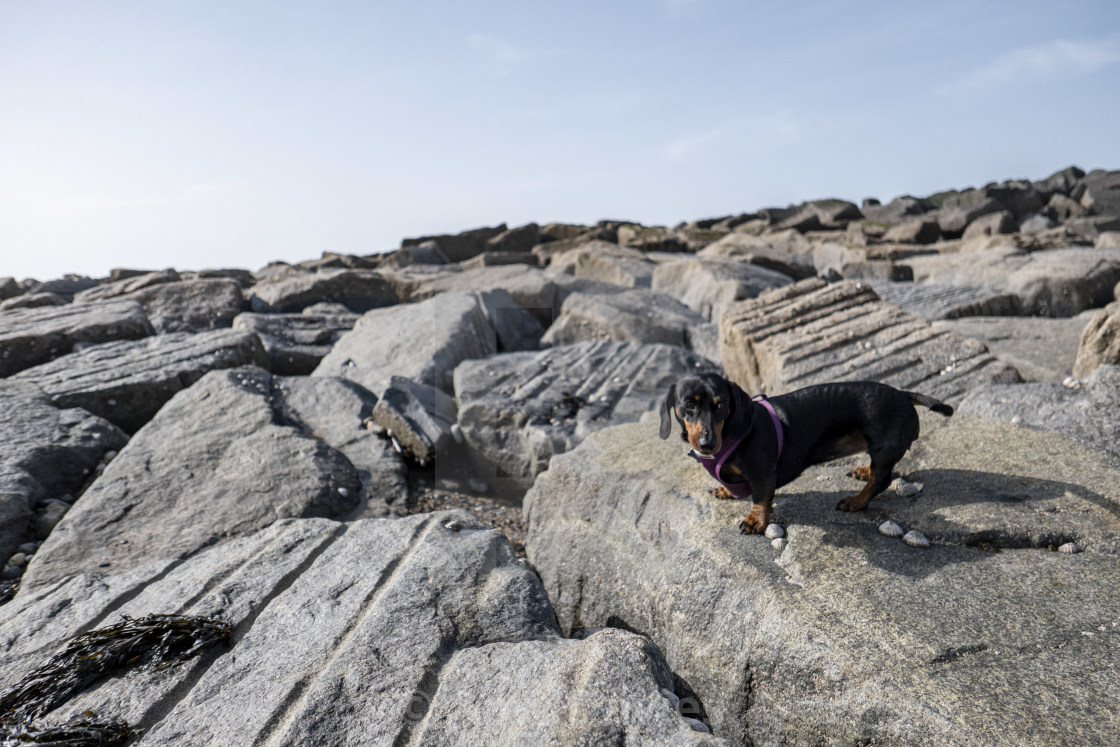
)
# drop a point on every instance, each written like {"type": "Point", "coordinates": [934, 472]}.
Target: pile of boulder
{"type": "Point", "coordinates": [254, 445]}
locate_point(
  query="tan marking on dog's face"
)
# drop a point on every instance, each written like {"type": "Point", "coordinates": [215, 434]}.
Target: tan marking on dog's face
{"type": "Point", "coordinates": [693, 431]}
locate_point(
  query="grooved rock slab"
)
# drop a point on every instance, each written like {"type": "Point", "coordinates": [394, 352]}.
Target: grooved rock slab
{"type": "Point", "coordinates": [372, 633]}
{"type": "Point", "coordinates": [1055, 282]}
{"type": "Point", "coordinates": [709, 286]}
{"type": "Point", "coordinates": [1100, 341]}
{"type": "Point", "coordinates": [1039, 348]}
{"type": "Point", "coordinates": [931, 301]}
{"type": "Point", "coordinates": [127, 381]}
{"type": "Point", "coordinates": [357, 290]}
{"type": "Point", "coordinates": [29, 337]}
{"type": "Point", "coordinates": [518, 410]}
{"type": "Point", "coordinates": [847, 636]}
{"type": "Point", "coordinates": [422, 341]}
{"type": "Point", "coordinates": [213, 464]}
{"type": "Point", "coordinates": [47, 453]}
{"type": "Point", "coordinates": [295, 343]}
{"type": "Point", "coordinates": [191, 305]}
{"type": "Point", "coordinates": [812, 332]}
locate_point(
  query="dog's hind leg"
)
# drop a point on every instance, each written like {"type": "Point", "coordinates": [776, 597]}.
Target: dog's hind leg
{"type": "Point", "coordinates": [878, 476]}
{"type": "Point", "coordinates": [861, 473]}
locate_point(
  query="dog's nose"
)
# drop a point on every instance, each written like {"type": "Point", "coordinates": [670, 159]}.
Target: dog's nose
{"type": "Point", "coordinates": [706, 442]}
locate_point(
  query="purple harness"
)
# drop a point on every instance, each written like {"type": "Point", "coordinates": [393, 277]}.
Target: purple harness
{"type": "Point", "coordinates": [714, 463]}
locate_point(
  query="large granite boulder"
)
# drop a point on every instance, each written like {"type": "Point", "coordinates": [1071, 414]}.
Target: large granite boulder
{"type": "Point", "coordinates": [607, 263]}
{"type": "Point", "coordinates": [931, 301]}
{"type": "Point", "coordinates": [847, 636]}
{"type": "Point", "coordinates": [48, 454]}
{"type": "Point", "coordinates": [533, 290]}
{"type": "Point", "coordinates": [709, 286]}
{"type": "Point", "coordinates": [1039, 348]}
{"type": "Point", "coordinates": [126, 382]}
{"type": "Point", "coordinates": [33, 301]}
{"type": "Point", "coordinates": [357, 290]}
{"type": "Point", "coordinates": [457, 247]}
{"type": "Point", "coordinates": [29, 337]}
{"type": "Point", "coordinates": [520, 409]}
{"type": "Point", "coordinates": [785, 252]}
{"type": "Point", "coordinates": [1099, 192]}
{"type": "Point", "coordinates": [422, 630]}
{"type": "Point", "coordinates": [296, 343]}
{"type": "Point", "coordinates": [1100, 341]}
{"type": "Point", "coordinates": [125, 285]}
{"type": "Point", "coordinates": [1056, 282]}
{"type": "Point", "coordinates": [215, 463]}
{"type": "Point", "coordinates": [191, 305]}
{"type": "Point", "coordinates": [9, 288]}
{"type": "Point", "coordinates": [812, 332]}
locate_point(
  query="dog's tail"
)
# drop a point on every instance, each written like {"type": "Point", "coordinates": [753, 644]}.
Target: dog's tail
{"type": "Point", "coordinates": [933, 404]}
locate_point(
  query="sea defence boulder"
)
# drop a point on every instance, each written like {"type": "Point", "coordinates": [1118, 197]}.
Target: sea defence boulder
{"type": "Point", "coordinates": [1039, 348]}
{"type": "Point", "coordinates": [190, 305]}
{"type": "Point", "coordinates": [1100, 341]}
{"type": "Point", "coordinates": [357, 290]}
{"type": "Point", "coordinates": [296, 343]}
{"type": "Point", "coordinates": [932, 302]}
{"type": "Point", "coordinates": [845, 635]}
{"type": "Point", "coordinates": [709, 286]}
{"type": "Point", "coordinates": [812, 332]}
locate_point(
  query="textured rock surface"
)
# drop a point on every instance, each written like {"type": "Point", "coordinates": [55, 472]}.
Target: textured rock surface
{"type": "Point", "coordinates": [212, 465]}
{"type": "Point", "coordinates": [418, 416]}
{"type": "Point", "coordinates": [29, 337]}
{"type": "Point", "coordinates": [520, 409]}
{"type": "Point", "coordinates": [1100, 341]}
{"type": "Point", "coordinates": [607, 263]}
{"type": "Point", "coordinates": [191, 305]}
{"type": "Point", "coordinates": [48, 453]}
{"type": "Point", "coordinates": [533, 290]}
{"type": "Point", "coordinates": [847, 636]}
{"type": "Point", "coordinates": [709, 286]}
{"type": "Point", "coordinates": [295, 343]}
{"type": "Point", "coordinates": [126, 285]}
{"type": "Point", "coordinates": [357, 290]}
{"type": "Point", "coordinates": [785, 252]}
{"type": "Point", "coordinates": [812, 332]}
{"type": "Point", "coordinates": [931, 301]}
{"type": "Point", "coordinates": [127, 381]}
{"type": "Point", "coordinates": [1039, 348]}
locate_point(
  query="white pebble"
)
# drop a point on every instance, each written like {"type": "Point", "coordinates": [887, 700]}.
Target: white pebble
{"type": "Point", "coordinates": [891, 529]}
{"type": "Point", "coordinates": [915, 538]}
{"type": "Point", "coordinates": [905, 488]}
{"type": "Point", "coordinates": [112, 403]}
{"type": "Point", "coordinates": [343, 492]}
{"type": "Point", "coordinates": [457, 433]}
{"type": "Point", "coordinates": [17, 560]}
{"type": "Point", "coordinates": [1070, 547]}
{"type": "Point", "coordinates": [779, 543]}
{"type": "Point", "coordinates": [1016, 420]}
{"type": "Point", "coordinates": [774, 531]}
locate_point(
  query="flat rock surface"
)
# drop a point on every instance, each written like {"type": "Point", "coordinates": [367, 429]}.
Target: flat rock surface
{"type": "Point", "coordinates": [191, 305]}
{"type": "Point", "coordinates": [607, 263]}
{"type": "Point", "coordinates": [126, 285]}
{"type": "Point", "coordinates": [931, 301]}
{"type": "Point", "coordinates": [373, 632]}
{"type": "Point", "coordinates": [812, 332]}
{"type": "Point", "coordinates": [127, 381]}
{"type": "Point", "coordinates": [847, 636]}
{"type": "Point", "coordinates": [520, 409]}
{"type": "Point", "coordinates": [1039, 348]}
{"type": "Point", "coordinates": [357, 290]}
{"type": "Point", "coordinates": [214, 463]}
{"type": "Point", "coordinates": [709, 286]}
{"type": "Point", "coordinates": [531, 289]}
{"type": "Point", "coordinates": [29, 337]}
{"type": "Point", "coordinates": [295, 343]}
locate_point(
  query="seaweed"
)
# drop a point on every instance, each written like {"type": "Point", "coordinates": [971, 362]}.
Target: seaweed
{"type": "Point", "coordinates": [151, 642]}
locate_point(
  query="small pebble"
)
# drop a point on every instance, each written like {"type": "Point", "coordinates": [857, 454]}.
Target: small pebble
{"type": "Point", "coordinates": [27, 548]}
{"type": "Point", "coordinates": [1070, 547]}
{"type": "Point", "coordinates": [779, 543]}
{"type": "Point", "coordinates": [112, 403]}
{"type": "Point", "coordinates": [774, 531]}
{"type": "Point", "coordinates": [697, 725]}
{"type": "Point", "coordinates": [905, 488]}
{"type": "Point", "coordinates": [671, 697]}
{"type": "Point", "coordinates": [915, 538]}
{"type": "Point", "coordinates": [18, 560]}
{"type": "Point", "coordinates": [109, 456]}
{"type": "Point", "coordinates": [457, 433]}
{"type": "Point", "coordinates": [343, 492]}
{"type": "Point", "coordinates": [891, 529]}
{"type": "Point", "coordinates": [1016, 420]}
{"type": "Point", "coordinates": [10, 573]}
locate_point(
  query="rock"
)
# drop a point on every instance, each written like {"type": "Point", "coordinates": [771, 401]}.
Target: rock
{"type": "Point", "coordinates": [47, 516]}
{"type": "Point", "coordinates": [243, 277]}
{"type": "Point", "coordinates": [515, 327]}
{"type": "Point", "coordinates": [9, 288]}
{"type": "Point", "coordinates": [561, 231]}
{"type": "Point", "coordinates": [339, 413]}
{"type": "Point", "coordinates": [418, 416]}
{"type": "Point", "coordinates": [124, 286]}
{"type": "Point", "coordinates": [1064, 181]}
{"type": "Point", "coordinates": [1099, 192]}
{"type": "Point", "coordinates": [128, 381]}
{"type": "Point", "coordinates": [29, 337]}
{"type": "Point", "coordinates": [1082, 413]}
{"type": "Point", "coordinates": [626, 512]}
{"type": "Point", "coordinates": [931, 301]}
{"type": "Point", "coordinates": [1061, 209]}
{"type": "Point", "coordinates": [423, 341]}
{"type": "Point", "coordinates": [835, 260]}
{"type": "Point", "coordinates": [460, 246]}
{"type": "Point", "coordinates": [358, 290]}
{"type": "Point", "coordinates": [427, 253]}
{"type": "Point", "coordinates": [916, 231]}
{"type": "Point", "coordinates": [1036, 223]}
{"type": "Point", "coordinates": [362, 633]}
{"type": "Point", "coordinates": [1099, 344]}
{"type": "Point", "coordinates": [520, 240]}
{"type": "Point", "coordinates": [651, 238]}
{"type": "Point", "coordinates": [956, 210]}
{"type": "Point", "coordinates": [66, 286]}
{"type": "Point", "coordinates": [635, 315]}
{"type": "Point", "coordinates": [993, 224]}
{"type": "Point", "coordinates": [1108, 240]}
{"type": "Point", "coordinates": [533, 290]}
{"type": "Point", "coordinates": [1057, 282]}
{"type": "Point", "coordinates": [497, 259]}
{"type": "Point", "coordinates": [1039, 348]}
{"type": "Point", "coordinates": [774, 531]}
{"type": "Point", "coordinates": [786, 252]}
{"type": "Point", "coordinates": [215, 463]}
{"type": "Point", "coordinates": [295, 343]}
{"type": "Point", "coordinates": [33, 301]}
{"type": "Point", "coordinates": [811, 332]}
{"type": "Point", "coordinates": [607, 263]}
{"type": "Point", "coordinates": [191, 305]}
{"type": "Point", "coordinates": [1070, 547]}
{"type": "Point", "coordinates": [899, 210]}
{"type": "Point", "coordinates": [709, 286]}
{"type": "Point", "coordinates": [1088, 229]}
{"type": "Point", "coordinates": [47, 452]}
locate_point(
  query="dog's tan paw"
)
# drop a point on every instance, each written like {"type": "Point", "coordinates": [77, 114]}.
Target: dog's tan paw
{"type": "Point", "coordinates": [753, 524]}
{"type": "Point", "coordinates": [852, 503]}
{"type": "Point", "coordinates": [721, 492]}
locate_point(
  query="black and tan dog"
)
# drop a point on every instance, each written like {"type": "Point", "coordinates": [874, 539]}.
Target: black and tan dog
{"type": "Point", "coordinates": [753, 448]}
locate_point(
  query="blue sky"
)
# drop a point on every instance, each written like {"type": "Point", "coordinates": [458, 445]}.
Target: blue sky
{"type": "Point", "coordinates": [227, 134]}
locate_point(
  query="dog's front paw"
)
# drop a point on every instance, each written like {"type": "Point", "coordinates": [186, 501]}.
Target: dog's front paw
{"type": "Point", "coordinates": [852, 503]}
{"type": "Point", "coordinates": [721, 492]}
{"type": "Point", "coordinates": [752, 524]}
{"type": "Point", "coordinates": [861, 473]}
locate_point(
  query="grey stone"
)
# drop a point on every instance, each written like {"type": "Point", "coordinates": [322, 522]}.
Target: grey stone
{"type": "Point", "coordinates": [212, 465]}
{"type": "Point", "coordinates": [127, 285]}
{"type": "Point", "coordinates": [1088, 229]}
{"type": "Point", "coordinates": [9, 288]}
{"type": "Point", "coordinates": [33, 301]}
{"type": "Point", "coordinates": [1056, 282]}
{"type": "Point", "coordinates": [1036, 223]}
{"type": "Point", "coordinates": [358, 290]}
{"type": "Point", "coordinates": [518, 410]}
{"type": "Point", "coordinates": [1108, 240]}
{"type": "Point", "coordinates": [65, 286]}
{"type": "Point", "coordinates": [515, 327]}
{"type": "Point", "coordinates": [47, 453]}
{"type": "Point", "coordinates": [1084, 412]}
{"type": "Point", "coordinates": [427, 253]}
{"type": "Point", "coordinates": [128, 381]}
{"type": "Point", "coordinates": [422, 341]}
{"type": "Point", "coordinates": [460, 246]}
{"type": "Point", "coordinates": [709, 286]}
{"type": "Point", "coordinates": [520, 240]}
{"type": "Point", "coordinates": [191, 305]}
{"type": "Point", "coordinates": [835, 261]}
{"type": "Point", "coordinates": [899, 210]}
{"type": "Point", "coordinates": [1100, 193]}
{"type": "Point", "coordinates": [1062, 208]}
{"type": "Point", "coordinates": [1063, 181]}
{"type": "Point", "coordinates": [47, 516]}
{"type": "Point", "coordinates": [367, 633]}
{"type": "Point", "coordinates": [418, 416]}
{"type": "Point", "coordinates": [993, 224]}
{"type": "Point", "coordinates": [243, 277]}
{"type": "Point", "coordinates": [1039, 348]}
{"type": "Point", "coordinates": [607, 263]}
{"type": "Point", "coordinates": [561, 231]}
{"type": "Point", "coordinates": [811, 332]}
{"type": "Point", "coordinates": [532, 289]}
{"type": "Point", "coordinates": [956, 210]}
{"type": "Point", "coordinates": [29, 337]}
{"type": "Point", "coordinates": [916, 231]}
{"type": "Point", "coordinates": [931, 301]}
{"type": "Point", "coordinates": [497, 259]}
{"type": "Point", "coordinates": [777, 645]}
{"type": "Point", "coordinates": [295, 343]}
{"type": "Point", "coordinates": [785, 252]}
{"type": "Point", "coordinates": [1099, 344]}
{"type": "Point", "coordinates": [651, 238]}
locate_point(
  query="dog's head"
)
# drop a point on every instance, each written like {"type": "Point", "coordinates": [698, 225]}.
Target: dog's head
{"type": "Point", "coordinates": [709, 409]}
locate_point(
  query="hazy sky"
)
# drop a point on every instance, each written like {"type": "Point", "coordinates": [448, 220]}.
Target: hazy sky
{"type": "Point", "coordinates": [199, 134]}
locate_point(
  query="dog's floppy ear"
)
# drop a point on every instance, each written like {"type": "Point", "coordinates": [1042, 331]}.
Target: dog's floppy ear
{"type": "Point", "coordinates": [740, 419]}
{"type": "Point", "coordinates": [666, 409]}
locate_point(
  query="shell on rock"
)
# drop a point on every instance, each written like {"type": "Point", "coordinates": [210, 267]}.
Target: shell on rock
{"type": "Point", "coordinates": [779, 543]}
{"type": "Point", "coordinates": [774, 531]}
{"type": "Point", "coordinates": [891, 529]}
{"type": "Point", "coordinates": [905, 488]}
{"type": "Point", "coordinates": [1070, 547]}
{"type": "Point", "coordinates": [915, 538]}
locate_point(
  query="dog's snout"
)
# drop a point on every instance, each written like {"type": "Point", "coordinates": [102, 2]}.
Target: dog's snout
{"type": "Point", "coordinates": [707, 441]}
